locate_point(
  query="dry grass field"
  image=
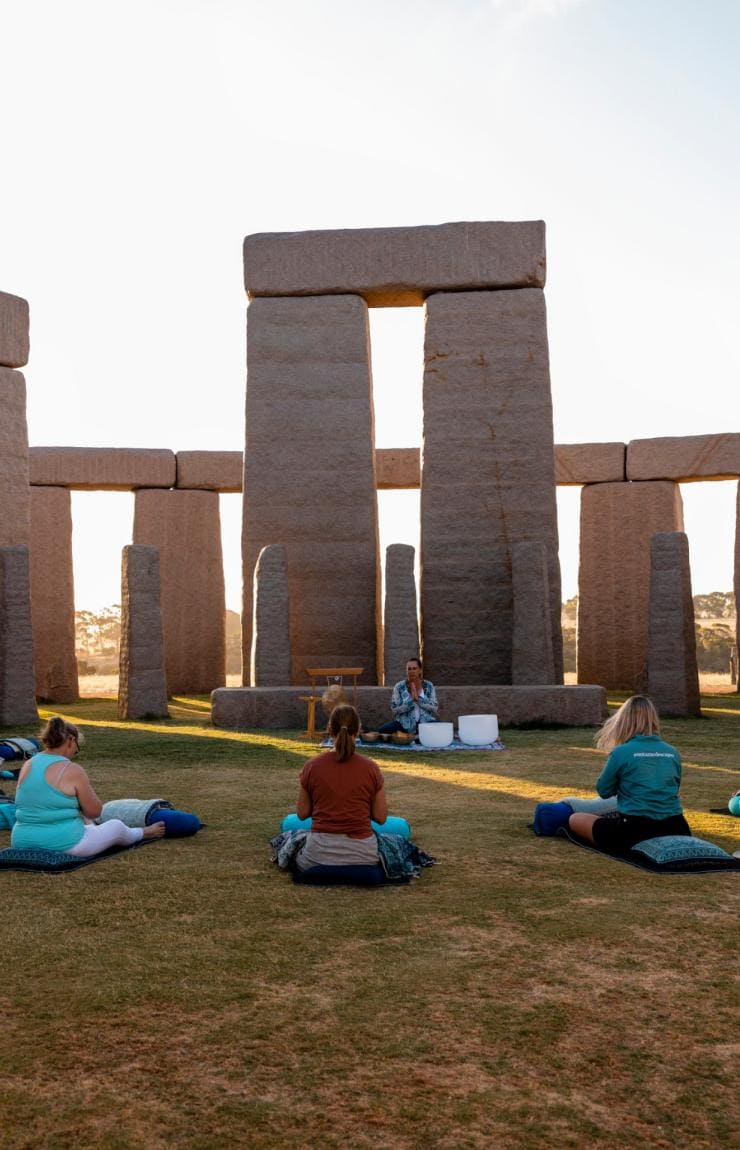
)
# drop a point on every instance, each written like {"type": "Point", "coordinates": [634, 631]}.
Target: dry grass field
{"type": "Point", "coordinates": [522, 994]}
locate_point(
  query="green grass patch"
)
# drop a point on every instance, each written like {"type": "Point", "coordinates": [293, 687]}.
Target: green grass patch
{"type": "Point", "coordinates": [521, 994]}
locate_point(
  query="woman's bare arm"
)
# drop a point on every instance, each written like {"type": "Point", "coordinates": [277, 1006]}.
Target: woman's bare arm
{"type": "Point", "coordinates": [304, 805]}
{"type": "Point", "coordinates": [379, 809]}
{"type": "Point", "coordinates": [90, 804]}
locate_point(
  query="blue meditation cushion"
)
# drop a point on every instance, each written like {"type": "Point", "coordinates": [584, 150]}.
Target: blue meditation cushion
{"type": "Point", "coordinates": [393, 825]}
{"type": "Point", "coordinates": [682, 849]}
{"type": "Point", "coordinates": [734, 804]}
{"type": "Point", "coordinates": [178, 824]}
{"type": "Point", "coordinates": [550, 817]}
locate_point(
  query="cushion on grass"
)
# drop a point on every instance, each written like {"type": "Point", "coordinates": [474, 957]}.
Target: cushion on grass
{"type": "Point", "coordinates": [550, 817]}
{"type": "Point", "coordinates": [343, 876]}
{"type": "Point", "coordinates": [53, 862]}
{"type": "Point", "coordinates": [688, 864]}
{"type": "Point", "coordinates": [393, 825]}
{"type": "Point", "coordinates": [178, 824]}
{"type": "Point", "coordinates": [680, 848]}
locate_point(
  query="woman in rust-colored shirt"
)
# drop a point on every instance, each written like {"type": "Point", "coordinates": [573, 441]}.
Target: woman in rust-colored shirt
{"type": "Point", "coordinates": [341, 791]}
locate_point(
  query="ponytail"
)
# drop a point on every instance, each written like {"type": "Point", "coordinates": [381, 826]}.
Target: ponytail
{"type": "Point", "coordinates": [344, 727]}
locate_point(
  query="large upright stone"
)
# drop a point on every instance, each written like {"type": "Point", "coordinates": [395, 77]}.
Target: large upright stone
{"type": "Point", "coordinates": [142, 683]}
{"type": "Point", "coordinates": [400, 616]}
{"type": "Point", "coordinates": [488, 478]}
{"type": "Point", "coordinates": [396, 267]}
{"type": "Point", "coordinates": [15, 504]}
{"type": "Point", "coordinates": [13, 330]}
{"type": "Point", "coordinates": [17, 699]}
{"type": "Point", "coordinates": [737, 580]}
{"type": "Point", "coordinates": [673, 677]}
{"type": "Point", "coordinates": [532, 661]}
{"type": "Point", "coordinates": [52, 595]}
{"type": "Point", "coordinates": [270, 662]}
{"type": "Point", "coordinates": [617, 523]}
{"type": "Point", "coordinates": [309, 476]}
{"type": "Point", "coordinates": [185, 527]}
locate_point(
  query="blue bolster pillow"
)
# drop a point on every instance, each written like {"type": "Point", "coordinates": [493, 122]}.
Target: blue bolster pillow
{"type": "Point", "coordinates": [178, 824]}
{"type": "Point", "coordinates": [393, 825]}
{"type": "Point", "coordinates": [549, 817]}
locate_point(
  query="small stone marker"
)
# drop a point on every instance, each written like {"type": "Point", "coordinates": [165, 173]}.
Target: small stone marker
{"type": "Point", "coordinates": [400, 614]}
{"type": "Point", "coordinates": [673, 678]}
{"type": "Point", "coordinates": [17, 680]}
{"type": "Point", "coordinates": [142, 687]}
{"type": "Point", "coordinates": [270, 662]}
{"type": "Point", "coordinates": [532, 662]}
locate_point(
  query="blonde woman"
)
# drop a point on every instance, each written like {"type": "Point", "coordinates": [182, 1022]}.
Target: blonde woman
{"type": "Point", "coordinates": [341, 792]}
{"type": "Point", "coordinates": [645, 775]}
{"type": "Point", "coordinates": [55, 802]}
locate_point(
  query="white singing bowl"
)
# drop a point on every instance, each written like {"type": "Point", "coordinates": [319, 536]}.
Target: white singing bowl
{"type": "Point", "coordinates": [477, 730]}
{"type": "Point", "coordinates": [435, 734]}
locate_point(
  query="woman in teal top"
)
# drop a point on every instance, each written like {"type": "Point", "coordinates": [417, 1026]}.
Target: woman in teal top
{"type": "Point", "coordinates": [645, 775]}
{"type": "Point", "coordinates": [55, 802]}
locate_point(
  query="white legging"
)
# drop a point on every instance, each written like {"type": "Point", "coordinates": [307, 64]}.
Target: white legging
{"type": "Point", "coordinates": [112, 833]}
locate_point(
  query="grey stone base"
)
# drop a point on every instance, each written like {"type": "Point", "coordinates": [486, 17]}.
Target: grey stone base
{"type": "Point", "coordinates": [243, 708]}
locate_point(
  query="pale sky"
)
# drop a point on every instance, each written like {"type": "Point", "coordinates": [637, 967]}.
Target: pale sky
{"type": "Point", "coordinates": [141, 142]}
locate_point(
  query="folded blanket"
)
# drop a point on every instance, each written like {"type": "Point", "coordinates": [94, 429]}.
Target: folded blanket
{"type": "Point", "coordinates": [132, 812]}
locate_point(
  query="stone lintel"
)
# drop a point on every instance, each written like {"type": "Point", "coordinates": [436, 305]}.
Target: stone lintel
{"type": "Point", "coordinates": [14, 340]}
{"type": "Point", "coordinates": [397, 468]}
{"type": "Point", "coordinates": [685, 458]}
{"type": "Point", "coordinates": [396, 267]}
{"type": "Point", "coordinates": [221, 471]}
{"type": "Point", "coordinates": [244, 708]}
{"type": "Point", "coordinates": [102, 468]}
{"type": "Point", "coordinates": [580, 463]}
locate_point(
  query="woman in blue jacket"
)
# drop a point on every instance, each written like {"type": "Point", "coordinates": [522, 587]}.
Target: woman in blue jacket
{"type": "Point", "coordinates": [645, 775]}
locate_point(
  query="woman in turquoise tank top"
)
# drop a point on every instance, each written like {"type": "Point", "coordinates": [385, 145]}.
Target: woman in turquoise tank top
{"type": "Point", "coordinates": [55, 802]}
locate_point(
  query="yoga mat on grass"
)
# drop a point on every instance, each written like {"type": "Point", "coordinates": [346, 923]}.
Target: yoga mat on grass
{"type": "Point", "coordinates": [643, 862]}
{"type": "Point", "coordinates": [54, 862]}
{"type": "Point", "coordinates": [455, 745]}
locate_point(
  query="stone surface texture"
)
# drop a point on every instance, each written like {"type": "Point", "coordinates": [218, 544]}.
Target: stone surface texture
{"type": "Point", "coordinates": [142, 684]}
{"type": "Point", "coordinates": [397, 468]}
{"type": "Point", "coordinates": [579, 463]}
{"type": "Point", "coordinates": [396, 267]}
{"type": "Point", "coordinates": [102, 468]}
{"type": "Point", "coordinates": [488, 478]}
{"type": "Point", "coordinates": [532, 660]}
{"type": "Point", "coordinates": [52, 595]}
{"type": "Point", "coordinates": [210, 470]}
{"type": "Point", "coordinates": [685, 457]}
{"type": "Point", "coordinates": [185, 527]}
{"type": "Point", "coordinates": [14, 340]}
{"type": "Point", "coordinates": [240, 708]}
{"type": "Point", "coordinates": [673, 676]}
{"type": "Point", "coordinates": [737, 576]}
{"type": "Point", "coordinates": [310, 476]}
{"type": "Point", "coordinates": [15, 502]}
{"type": "Point", "coordinates": [270, 663]}
{"type": "Point", "coordinates": [617, 523]}
{"type": "Point", "coordinates": [400, 612]}
{"type": "Point", "coordinates": [17, 680]}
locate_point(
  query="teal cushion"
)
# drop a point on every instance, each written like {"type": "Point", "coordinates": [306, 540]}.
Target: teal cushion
{"type": "Point", "coordinates": [678, 849]}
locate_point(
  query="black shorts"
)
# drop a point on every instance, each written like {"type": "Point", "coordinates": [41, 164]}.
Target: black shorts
{"type": "Point", "coordinates": [614, 832]}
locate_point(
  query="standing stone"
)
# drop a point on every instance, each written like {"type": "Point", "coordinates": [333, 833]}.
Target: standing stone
{"type": "Point", "coordinates": [142, 683]}
{"type": "Point", "coordinates": [309, 476]}
{"type": "Point", "coordinates": [400, 618]}
{"type": "Point", "coordinates": [13, 330]}
{"type": "Point", "coordinates": [618, 521]}
{"type": "Point", "coordinates": [737, 583]}
{"type": "Point", "coordinates": [185, 527]}
{"type": "Point", "coordinates": [532, 662]}
{"type": "Point", "coordinates": [673, 676]}
{"type": "Point", "coordinates": [488, 478]}
{"type": "Point", "coordinates": [15, 503]}
{"type": "Point", "coordinates": [17, 699]}
{"type": "Point", "coordinates": [270, 663]}
{"type": "Point", "coordinates": [52, 595]}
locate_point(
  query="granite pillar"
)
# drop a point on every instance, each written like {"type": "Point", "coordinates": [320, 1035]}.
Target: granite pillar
{"type": "Point", "coordinates": [532, 662]}
{"type": "Point", "coordinates": [488, 478]}
{"type": "Point", "coordinates": [270, 661]}
{"type": "Point", "coordinates": [185, 527]}
{"type": "Point", "coordinates": [736, 583]}
{"type": "Point", "coordinates": [309, 476]}
{"type": "Point", "coordinates": [17, 698]}
{"type": "Point", "coordinates": [52, 595]}
{"type": "Point", "coordinates": [400, 617]}
{"type": "Point", "coordinates": [673, 676]}
{"type": "Point", "coordinates": [15, 500]}
{"type": "Point", "coordinates": [618, 521]}
{"type": "Point", "coordinates": [142, 683]}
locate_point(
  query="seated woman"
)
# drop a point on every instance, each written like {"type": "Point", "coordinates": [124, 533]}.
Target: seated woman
{"type": "Point", "coordinates": [55, 802]}
{"type": "Point", "coordinates": [643, 772]}
{"type": "Point", "coordinates": [413, 701]}
{"type": "Point", "coordinates": [341, 792]}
